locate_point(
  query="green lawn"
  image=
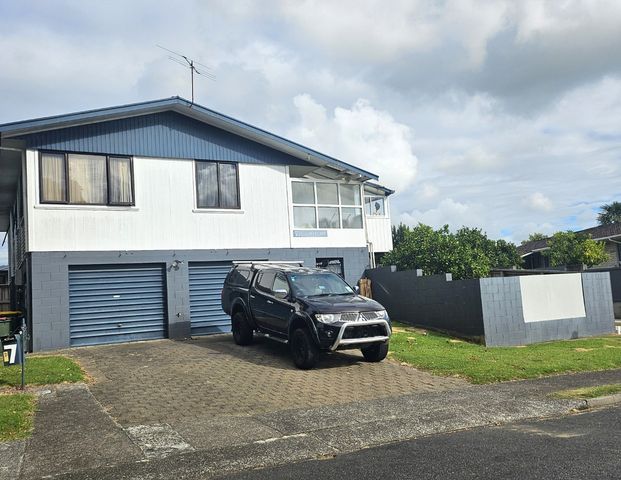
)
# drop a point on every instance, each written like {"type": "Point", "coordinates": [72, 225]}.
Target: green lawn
{"type": "Point", "coordinates": [42, 371]}
{"type": "Point", "coordinates": [16, 412]}
{"type": "Point", "coordinates": [444, 355]}
{"type": "Point", "coordinates": [589, 392]}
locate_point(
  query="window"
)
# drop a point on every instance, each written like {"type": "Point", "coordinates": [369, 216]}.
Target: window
{"type": "Point", "coordinates": [83, 179]}
{"type": "Point", "coordinates": [374, 206]}
{"type": "Point", "coordinates": [240, 277]}
{"type": "Point", "coordinates": [217, 185]}
{"type": "Point", "coordinates": [265, 282]}
{"type": "Point", "coordinates": [326, 205]}
{"type": "Point", "coordinates": [333, 264]}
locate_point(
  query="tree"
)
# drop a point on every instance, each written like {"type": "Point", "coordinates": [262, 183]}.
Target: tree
{"type": "Point", "coordinates": [575, 249]}
{"type": "Point", "coordinates": [467, 253]}
{"type": "Point", "coordinates": [398, 234]}
{"type": "Point", "coordinates": [611, 213]}
{"type": "Point", "coordinates": [533, 237]}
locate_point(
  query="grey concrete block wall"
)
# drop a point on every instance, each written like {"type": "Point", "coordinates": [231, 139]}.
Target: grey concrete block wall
{"type": "Point", "coordinates": [49, 281]}
{"type": "Point", "coordinates": [503, 315]}
{"type": "Point", "coordinates": [501, 305]}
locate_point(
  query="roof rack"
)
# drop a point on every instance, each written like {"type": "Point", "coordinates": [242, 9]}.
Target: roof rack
{"type": "Point", "coordinates": [300, 263]}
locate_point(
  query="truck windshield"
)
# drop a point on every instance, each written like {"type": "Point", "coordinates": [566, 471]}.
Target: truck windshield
{"type": "Point", "coordinates": [319, 284]}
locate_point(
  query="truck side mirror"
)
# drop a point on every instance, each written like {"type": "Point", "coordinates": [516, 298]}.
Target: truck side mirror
{"type": "Point", "coordinates": [281, 294]}
{"type": "Point", "coordinates": [356, 289]}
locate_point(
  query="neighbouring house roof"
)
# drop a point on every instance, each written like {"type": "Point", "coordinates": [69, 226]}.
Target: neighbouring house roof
{"type": "Point", "coordinates": [182, 106]}
{"type": "Point", "coordinates": [601, 232]}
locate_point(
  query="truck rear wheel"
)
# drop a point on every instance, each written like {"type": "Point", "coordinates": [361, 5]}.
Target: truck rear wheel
{"type": "Point", "coordinates": [303, 349]}
{"type": "Point", "coordinates": [242, 332]}
{"type": "Point", "coordinates": [376, 352]}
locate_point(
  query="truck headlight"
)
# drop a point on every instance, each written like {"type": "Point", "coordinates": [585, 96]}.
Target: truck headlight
{"type": "Point", "coordinates": [328, 317]}
{"type": "Point", "coordinates": [383, 314]}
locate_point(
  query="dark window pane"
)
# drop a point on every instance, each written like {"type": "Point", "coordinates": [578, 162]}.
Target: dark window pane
{"type": "Point", "coordinates": [207, 184]}
{"type": "Point", "coordinates": [120, 176]}
{"type": "Point", "coordinates": [87, 179]}
{"type": "Point", "coordinates": [53, 179]}
{"type": "Point", "coordinates": [266, 281]}
{"type": "Point", "coordinates": [239, 277]}
{"type": "Point", "coordinates": [333, 264]}
{"type": "Point", "coordinates": [228, 186]}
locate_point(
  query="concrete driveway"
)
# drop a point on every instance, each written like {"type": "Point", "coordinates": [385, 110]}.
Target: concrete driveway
{"type": "Point", "coordinates": [209, 377]}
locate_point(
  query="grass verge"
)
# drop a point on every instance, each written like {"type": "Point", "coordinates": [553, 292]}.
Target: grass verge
{"type": "Point", "coordinates": [443, 355]}
{"type": "Point", "coordinates": [42, 371]}
{"type": "Point", "coordinates": [589, 392]}
{"type": "Point", "coordinates": [16, 414]}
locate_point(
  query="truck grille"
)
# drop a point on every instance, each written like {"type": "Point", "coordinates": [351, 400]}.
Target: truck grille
{"type": "Point", "coordinates": [360, 317]}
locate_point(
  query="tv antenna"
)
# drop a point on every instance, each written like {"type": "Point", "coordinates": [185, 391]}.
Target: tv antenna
{"type": "Point", "coordinates": [191, 64]}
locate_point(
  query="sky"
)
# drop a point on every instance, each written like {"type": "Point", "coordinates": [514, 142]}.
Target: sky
{"type": "Point", "coordinates": [498, 114]}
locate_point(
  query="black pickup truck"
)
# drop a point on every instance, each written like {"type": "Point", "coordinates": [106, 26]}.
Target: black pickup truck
{"type": "Point", "coordinates": [312, 310]}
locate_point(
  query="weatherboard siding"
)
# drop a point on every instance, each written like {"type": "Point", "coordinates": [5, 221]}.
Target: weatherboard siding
{"type": "Point", "coordinates": [165, 216]}
{"type": "Point", "coordinates": [161, 135]}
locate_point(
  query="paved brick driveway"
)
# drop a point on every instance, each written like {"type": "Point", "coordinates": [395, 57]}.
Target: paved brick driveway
{"type": "Point", "coordinates": [204, 378]}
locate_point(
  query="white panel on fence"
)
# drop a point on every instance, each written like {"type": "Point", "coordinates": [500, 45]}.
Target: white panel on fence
{"type": "Point", "coordinates": [552, 297]}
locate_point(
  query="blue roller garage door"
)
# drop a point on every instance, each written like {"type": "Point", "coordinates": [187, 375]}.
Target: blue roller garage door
{"type": "Point", "coordinates": [111, 304]}
{"type": "Point", "coordinates": [206, 314]}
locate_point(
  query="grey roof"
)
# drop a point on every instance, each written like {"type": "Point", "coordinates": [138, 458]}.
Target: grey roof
{"type": "Point", "coordinates": [601, 232]}
{"type": "Point", "coordinates": [185, 107]}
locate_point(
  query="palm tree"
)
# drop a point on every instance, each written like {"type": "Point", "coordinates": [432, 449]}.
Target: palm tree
{"type": "Point", "coordinates": [611, 213]}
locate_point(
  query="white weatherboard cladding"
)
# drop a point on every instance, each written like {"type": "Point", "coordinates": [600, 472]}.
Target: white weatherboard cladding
{"type": "Point", "coordinates": [380, 234]}
{"type": "Point", "coordinates": [165, 215]}
{"type": "Point", "coordinates": [552, 297]}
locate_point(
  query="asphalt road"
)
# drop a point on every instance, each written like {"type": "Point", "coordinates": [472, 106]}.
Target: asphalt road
{"type": "Point", "coordinates": [581, 446]}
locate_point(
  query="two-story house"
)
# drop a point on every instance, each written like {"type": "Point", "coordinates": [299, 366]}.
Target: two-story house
{"type": "Point", "coordinates": [123, 222]}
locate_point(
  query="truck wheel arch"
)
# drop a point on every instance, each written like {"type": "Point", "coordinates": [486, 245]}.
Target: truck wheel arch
{"type": "Point", "coordinates": [302, 321]}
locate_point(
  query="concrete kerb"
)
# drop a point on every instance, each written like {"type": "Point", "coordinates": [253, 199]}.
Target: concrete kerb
{"type": "Point", "coordinates": [597, 402]}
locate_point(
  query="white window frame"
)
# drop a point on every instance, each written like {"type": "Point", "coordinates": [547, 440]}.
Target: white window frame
{"type": "Point", "coordinates": [384, 198]}
{"type": "Point", "coordinates": [317, 205]}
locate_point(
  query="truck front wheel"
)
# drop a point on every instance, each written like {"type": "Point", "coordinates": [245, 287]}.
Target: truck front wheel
{"type": "Point", "coordinates": [376, 352]}
{"type": "Point", "coordinates": [303, 349]}
{"type": "Point", "coordinates": [242, 332]}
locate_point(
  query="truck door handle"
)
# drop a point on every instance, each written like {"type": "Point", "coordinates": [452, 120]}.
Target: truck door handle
{"type": "Point", "coordinates": [270, 302]}
{"type": "Point", "coordinates": [251, 296]}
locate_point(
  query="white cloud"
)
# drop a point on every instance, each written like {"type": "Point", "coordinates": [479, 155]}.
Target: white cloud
{"type": "Point", "coordinates": [361, 135]}
{"type": "Point", "coordinates": [447, 212]}
{"type": "Point", "coordinates": [538, 201]}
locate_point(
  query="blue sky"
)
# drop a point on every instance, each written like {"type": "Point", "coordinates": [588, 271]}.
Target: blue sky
{"type": "Point", "coordinates": [498, 114]}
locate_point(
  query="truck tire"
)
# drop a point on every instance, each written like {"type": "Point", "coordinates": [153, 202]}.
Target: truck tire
{"type": "Point", "coordinates": [303, 349]}
{"type": "Point", "coordinates": [376, 352]}
{"type": "Point", "coordinates": [242, 332]}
